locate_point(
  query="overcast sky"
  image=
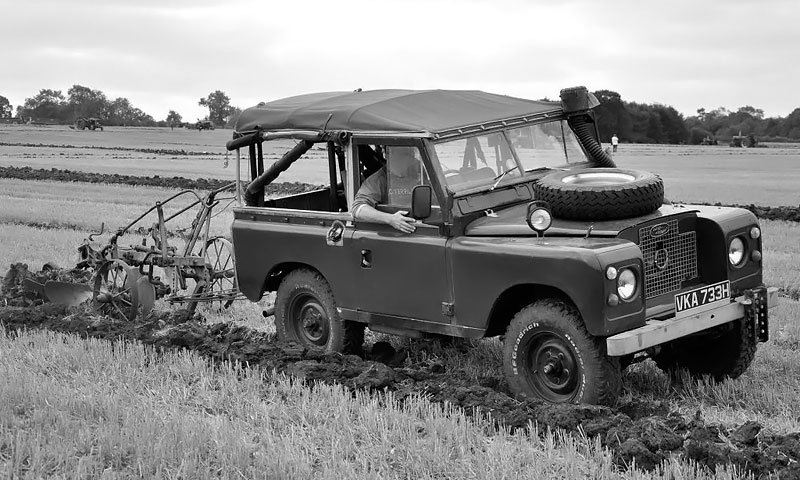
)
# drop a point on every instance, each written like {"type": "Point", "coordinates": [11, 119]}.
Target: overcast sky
{"type": "Point", "coordinates": [166, 54]}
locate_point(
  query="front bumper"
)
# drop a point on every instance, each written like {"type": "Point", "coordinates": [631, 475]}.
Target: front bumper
{"type": "Point", "coordinates": [754, 305]}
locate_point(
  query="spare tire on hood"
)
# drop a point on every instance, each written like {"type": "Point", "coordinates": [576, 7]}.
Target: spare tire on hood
{"type": "Point", "coordinates": [600, 193]}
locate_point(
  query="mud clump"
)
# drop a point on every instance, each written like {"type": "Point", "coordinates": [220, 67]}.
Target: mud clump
{"type": "Point", "coordinates": [637, 432]}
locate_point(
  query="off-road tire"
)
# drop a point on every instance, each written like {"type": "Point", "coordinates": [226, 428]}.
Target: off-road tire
{"type": "Point", "coordinates": [637, 193]}
{"type": "Point", "coordinates": [304, 294]}
{"type": "Point", "coordinates": [549, 327]}
{"type": "Point", "coordinates": [722, 353]}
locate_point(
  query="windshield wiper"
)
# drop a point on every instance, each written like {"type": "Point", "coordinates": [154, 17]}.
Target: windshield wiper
{"type": "Point", "coordinates": [500, 177]}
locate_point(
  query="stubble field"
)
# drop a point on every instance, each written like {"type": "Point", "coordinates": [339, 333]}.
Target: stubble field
{"type": "Point", "coordinates": [160, 399]}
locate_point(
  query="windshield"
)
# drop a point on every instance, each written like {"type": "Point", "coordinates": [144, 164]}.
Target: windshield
{"type": "Point", "coordinates": [481, 161]}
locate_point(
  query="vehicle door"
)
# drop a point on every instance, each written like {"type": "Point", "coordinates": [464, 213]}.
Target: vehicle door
{"type": "Point", "coordinates": [400, 274]}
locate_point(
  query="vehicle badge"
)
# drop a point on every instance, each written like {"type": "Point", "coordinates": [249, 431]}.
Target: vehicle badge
{"type": "Point", "coordinates": [661, 259]}
{"type": "Point", "coordinates": [659, 230]}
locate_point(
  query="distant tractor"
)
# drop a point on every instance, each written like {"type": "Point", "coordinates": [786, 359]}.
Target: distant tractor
{"type": "Point", "coordinates": [204, 125]}
{"type": "Point", "coordinates": [743, 141]}
{"type": "Point", "coordinates": [91, 123]}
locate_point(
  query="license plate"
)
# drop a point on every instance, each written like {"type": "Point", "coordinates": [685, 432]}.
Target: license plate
{"type": "Point", "coordinates": [702, 296]}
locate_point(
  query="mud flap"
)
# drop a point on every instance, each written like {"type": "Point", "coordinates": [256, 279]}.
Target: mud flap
{"type": "Point", "coordinates": [756, 311]}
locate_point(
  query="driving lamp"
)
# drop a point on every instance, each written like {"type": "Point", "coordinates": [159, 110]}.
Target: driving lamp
{"type": "Point", "coordinates": [539, 217]}
{"type": "Point", "coordinates": [626, 284]}
{"type": "Point", "coordinates": [736, 251]}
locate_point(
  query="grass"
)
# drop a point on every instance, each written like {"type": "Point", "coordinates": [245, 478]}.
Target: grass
{"type": "Point", "coordinates": [86, 408]}
{"type": "Point", "coordinates": [86, 206]}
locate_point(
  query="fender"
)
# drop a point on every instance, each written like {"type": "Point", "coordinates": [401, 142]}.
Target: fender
{"type": "Point", "coordinates": [485, 267]}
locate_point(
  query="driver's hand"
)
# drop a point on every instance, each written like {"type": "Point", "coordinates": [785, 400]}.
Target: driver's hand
{"type": "Point", "coordinates": [399, 221]}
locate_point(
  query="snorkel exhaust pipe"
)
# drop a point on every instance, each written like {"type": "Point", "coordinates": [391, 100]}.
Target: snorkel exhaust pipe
{"type": "Point", "coordinates": [577, 102]}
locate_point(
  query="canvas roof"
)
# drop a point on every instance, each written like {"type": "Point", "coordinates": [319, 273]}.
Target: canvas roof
{"type": "Point", "coordinates": [388, 110]}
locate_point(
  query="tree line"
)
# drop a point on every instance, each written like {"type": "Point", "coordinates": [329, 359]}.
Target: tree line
{"type": "Point", "coordinates": [630, 121]}
{"type": "Point", "coordinates": [655, 123]}
{"type": "Point", "coordinates": [52, 106]}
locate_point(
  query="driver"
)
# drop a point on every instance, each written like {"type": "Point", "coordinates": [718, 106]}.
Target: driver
{"type": "Point", "coordinates": [394, 186]}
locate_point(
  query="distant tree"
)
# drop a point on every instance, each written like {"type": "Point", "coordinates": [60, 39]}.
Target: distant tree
{"type": "Point", "coordinates": [219, 107]}
{"type": "Point", "coordinates": [753, 112]}
{"type": "Point", "coordinates": [121, 112]}
{"type": "Point", "coordinates": [612, 116]}
{"type": "Point", "coordinates": [86, 102]}
{"type": "Point", "coordinates": [698, 134]}
{"type": "Point", "coordinates": [174, 119]}
{"type": "Point", "coordinates": [47, 104]}
{"type": "Point", "coordinates": [673, 125]}
{"type": "Point", "coordinates": [5, 108]}
{"type": "Point", "coordinates": [233, 116]}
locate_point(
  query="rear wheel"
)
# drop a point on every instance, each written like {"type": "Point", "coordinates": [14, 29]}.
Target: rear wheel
{"type": "Point", "coordinates": [549, 355]}
{"type": "Point", "coordinates": [305, 312]}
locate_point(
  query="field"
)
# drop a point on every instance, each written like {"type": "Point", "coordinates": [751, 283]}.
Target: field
{"type": "Point", "coordinates": [84, 397]}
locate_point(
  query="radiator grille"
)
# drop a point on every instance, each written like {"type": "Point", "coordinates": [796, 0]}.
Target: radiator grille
{"type": "Point", "coordinates": [670, 257]}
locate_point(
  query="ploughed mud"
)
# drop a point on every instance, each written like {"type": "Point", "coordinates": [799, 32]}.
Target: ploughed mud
{"type": "Point", "coordinates": [158, 151]}
{"type": "Point", "coordinates": [635, 431]}
{"type": "Point", "coordinates": [28, 173]}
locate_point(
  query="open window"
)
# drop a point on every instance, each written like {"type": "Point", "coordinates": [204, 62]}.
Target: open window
{"type": "Point", "coordinates": [320, 163]}
{"type": "Point", "coordinates": [401, 168]}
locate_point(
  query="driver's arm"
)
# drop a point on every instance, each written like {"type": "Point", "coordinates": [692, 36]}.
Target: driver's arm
{"type": "Point", "coordinates": [372, 192]}
{"type": "Point", "coordinates": [397, 220]}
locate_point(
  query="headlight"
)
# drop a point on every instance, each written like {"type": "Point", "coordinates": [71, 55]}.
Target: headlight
{"type": "Point", "coordinates": [755, 232]}
{"type": "Point", "coordinates": [626, 283]}
{"type": "Point", "coordinates": [736, 251]}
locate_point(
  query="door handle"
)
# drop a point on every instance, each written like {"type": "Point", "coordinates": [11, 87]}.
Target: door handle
{"type": "Point", "coordinates": [366, 258]}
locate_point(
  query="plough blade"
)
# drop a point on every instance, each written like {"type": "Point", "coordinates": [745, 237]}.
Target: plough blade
{"type": "Point", "coordinates": [67, 293]}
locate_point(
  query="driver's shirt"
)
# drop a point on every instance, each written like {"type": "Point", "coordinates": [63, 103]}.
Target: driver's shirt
{"type": "Point", "coordinates": [375, 190]}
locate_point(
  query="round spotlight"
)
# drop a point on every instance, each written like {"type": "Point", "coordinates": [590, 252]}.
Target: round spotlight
{"type": "Point", "coordinates": [611, 273]}
{"type": "Point", "coordinates": [539, 217]}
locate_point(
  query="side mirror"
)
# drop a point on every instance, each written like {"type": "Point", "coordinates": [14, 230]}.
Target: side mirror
{"type": "Point", "coordinates": [421, 202]}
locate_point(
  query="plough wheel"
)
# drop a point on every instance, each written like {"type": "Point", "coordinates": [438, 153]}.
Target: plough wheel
{"type": "Point", "coordinates": [221, 276]}
{"type": "Point", "coordinates": [219, 254]}
{"type": "Point", "coordinates": [114, 293]}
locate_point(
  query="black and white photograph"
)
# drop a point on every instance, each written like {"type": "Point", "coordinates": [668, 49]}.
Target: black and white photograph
{"type": "Point", "coordinates": [399, 239]}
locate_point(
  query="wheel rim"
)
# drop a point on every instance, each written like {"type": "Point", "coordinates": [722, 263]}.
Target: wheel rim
{"type": "Point", "coordinates": [309, 320]}
{"type": "Point", "coordinates": [552, 369]}
{"type": "Point", "coordinates": [112, 295]}
{"type": "Point", "coordinates": [598, 179]}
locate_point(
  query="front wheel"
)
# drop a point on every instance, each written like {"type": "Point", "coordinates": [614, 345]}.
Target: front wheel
{"type": "Point", "coordinates": [549, 355]}
{"type": "Point", "coordinates": [305, 312]}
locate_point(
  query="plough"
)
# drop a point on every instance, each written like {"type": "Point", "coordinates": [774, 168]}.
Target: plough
{"type": "Point", "coordinates": [128, 279]}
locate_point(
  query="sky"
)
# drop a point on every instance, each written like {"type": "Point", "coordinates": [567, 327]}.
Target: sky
{"type": "Point", "coordinates": [166, 54]}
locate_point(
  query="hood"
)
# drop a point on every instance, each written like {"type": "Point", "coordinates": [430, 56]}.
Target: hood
{"type": "Point", "coordinates": [511, 222]}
